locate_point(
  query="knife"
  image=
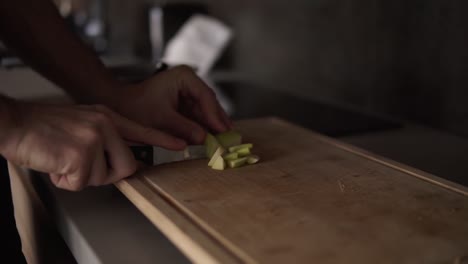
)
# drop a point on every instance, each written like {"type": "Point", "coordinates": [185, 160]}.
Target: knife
{"type": "Point", "coordinates": [153, 155]}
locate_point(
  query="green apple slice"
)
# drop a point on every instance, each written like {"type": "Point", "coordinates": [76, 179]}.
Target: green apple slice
{"type": "Point", "coordinates": [229, 138]}
{"type": "Point", "coordinates": [237, 162]}
{"type": "Point", "coordinates": [211, 145]}
{"type": "Point", "coordinates": [231, 156]}
{"type": "Point", "coordinates": [243, 152]}
{"type": "Point", "coordinates": [218, 153]}
{"type": "Point", "coordinates": [252, 159]}
{"type": "Point", "coordinates": [219, 164]}
{"type": "Point", "coordinates": [237, 147]}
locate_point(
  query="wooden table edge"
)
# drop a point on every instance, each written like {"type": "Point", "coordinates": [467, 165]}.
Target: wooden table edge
{"type": "Point", "coordinates": [194, 242]}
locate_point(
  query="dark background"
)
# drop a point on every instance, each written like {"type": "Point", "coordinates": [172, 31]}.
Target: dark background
{"type": "Point", "coordinates": [406, 59]}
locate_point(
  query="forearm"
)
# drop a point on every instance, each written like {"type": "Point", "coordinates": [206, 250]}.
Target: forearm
{"type": "Point", "coordinates": [37, 33]}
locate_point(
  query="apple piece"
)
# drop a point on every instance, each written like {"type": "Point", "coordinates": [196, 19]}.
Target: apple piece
{"type": "Point", "coordinates": [231, 156]}
{"type": "Point", "coordinates": [229, 138]}
{"type": "Point", "coordinates": [237, 162]}
{"type": "Point", "coordinates": [211, 145]}
{"type": "Point", "coordinates": [218, 153]}
{"type": "Point", "coordinates": [237, 147]}
{"type": "Point", "coordinates": [252, 159]}
{"type": "Point", "coordinates": [219, 164]}
{"type": "Point", "coordinates": [243, 152]}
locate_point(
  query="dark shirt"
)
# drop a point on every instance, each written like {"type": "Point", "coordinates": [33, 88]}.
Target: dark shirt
{"type": "Point", "coordinates": [9, 236]}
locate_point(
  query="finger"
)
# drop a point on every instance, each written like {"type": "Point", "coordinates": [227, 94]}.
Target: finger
{"type": "Point", "coordinates": [190, 109]}
{"type": "Point", "coordinates": [55, 178]}
{"type": "Point", "coordinates": [185, 128]}
{"type": "Point", "coordinates": [60, 181]}
{"type": "Point", "coordinates": [119, 158]}
{"type": "Point", "coordinates": [72, 182]}
{"type": "Point", "coordinates": [207, 101]}
{"type": "Point", "coordinates": [135, 132]}
{"type": "Point", "coordinates": [79, 179]}
{"type": "Point", "coordinates": [98, 173]}
{"type": "Point", "coordinates": [223, 115]}
{"type": "Point", "coordinates": [73, 173]}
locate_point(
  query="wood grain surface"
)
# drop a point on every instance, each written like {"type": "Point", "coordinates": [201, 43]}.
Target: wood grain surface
{"type": "Point", "coordinates": [311, 199]}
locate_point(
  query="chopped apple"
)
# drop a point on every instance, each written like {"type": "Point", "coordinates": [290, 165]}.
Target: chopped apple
{"type": "Point", "coordinates": [219, 164]}
{"type": "Point", "coordinates": [243, 152]}
{"type": "Point", "coordinates": [237, 162]}
{"type": "Point", "coordinates": [237, 147]}
{"type": "Point", "coordinates": [226, 150]}
{"type": "Point", "coordinates": [229, 138]}
{"type": "Point", "coordinates": [218, 153]}
{"type": "Point", "coordinates": [211, 145]}
{"type": "Point", "coordinates": [252, 159]}
{"type": "Point", "coordinates": [231, 156]}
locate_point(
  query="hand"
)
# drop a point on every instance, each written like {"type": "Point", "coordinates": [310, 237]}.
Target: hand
{"type": "Point", "coordinates": [77, 145]}
{"type": "Point", "coordinates": [176, 101]}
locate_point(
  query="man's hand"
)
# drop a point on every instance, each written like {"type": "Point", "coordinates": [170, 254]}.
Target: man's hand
{"type": "Point", "coordinates": [74, 143]}
{"type": "Point", "coordinates": [78, 146]}
{"type": "Point", "coordinates": [176, 101]}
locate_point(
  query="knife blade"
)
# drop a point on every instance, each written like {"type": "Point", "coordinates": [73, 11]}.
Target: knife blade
{"type": "Point", "coordinates": [153, 155]}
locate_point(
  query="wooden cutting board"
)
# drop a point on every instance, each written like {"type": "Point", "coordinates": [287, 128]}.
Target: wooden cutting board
{"type": "Point", "coordinates": [310, 200]}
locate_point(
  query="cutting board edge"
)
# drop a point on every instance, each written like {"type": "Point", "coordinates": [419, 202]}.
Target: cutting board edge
{"type": "Point", "coordinates": [187, 236]}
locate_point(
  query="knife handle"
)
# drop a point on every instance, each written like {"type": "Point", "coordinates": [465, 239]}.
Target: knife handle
{"type": "Point", "coordinates": [143, 154]}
